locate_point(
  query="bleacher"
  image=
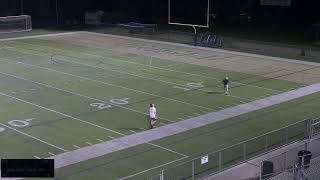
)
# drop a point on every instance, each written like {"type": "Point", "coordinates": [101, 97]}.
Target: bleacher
{"type": "Point", "coordinates": [209, 40]}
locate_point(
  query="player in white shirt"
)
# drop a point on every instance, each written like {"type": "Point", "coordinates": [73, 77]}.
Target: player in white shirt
{"type": "Point", "coordinates": [152, 116]}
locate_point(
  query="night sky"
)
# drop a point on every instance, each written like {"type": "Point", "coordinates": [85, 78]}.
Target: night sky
{"type": "Point", "coordinates": [155, 11]}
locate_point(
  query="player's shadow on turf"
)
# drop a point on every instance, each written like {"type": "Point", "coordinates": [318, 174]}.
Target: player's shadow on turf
{"type": "Point", "coordinates": [132, 129]}
{"type": "Point", "coordinates": [214, 92]}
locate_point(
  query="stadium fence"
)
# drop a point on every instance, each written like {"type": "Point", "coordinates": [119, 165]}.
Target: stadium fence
{"type": "Point", "coordinates": [238, 153]}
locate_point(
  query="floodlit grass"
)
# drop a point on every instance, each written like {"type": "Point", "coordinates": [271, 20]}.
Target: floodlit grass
{"type": "Point", "coordinates": [57, 97]}
{"type": "Point", "coordinates": [197, 142]}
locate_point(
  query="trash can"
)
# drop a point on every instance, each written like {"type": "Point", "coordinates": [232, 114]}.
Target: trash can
{"type": "Point", "coordinates": [304, 157]}
{"type": "Point", "coordinates": [267, 169]}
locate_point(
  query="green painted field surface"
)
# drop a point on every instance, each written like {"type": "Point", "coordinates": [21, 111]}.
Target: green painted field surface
{"type": "Point", "coordinates": [57, 97]}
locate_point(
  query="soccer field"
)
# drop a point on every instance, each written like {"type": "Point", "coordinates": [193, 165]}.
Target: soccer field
{"type": "Point", "coordinates": [63, 93]}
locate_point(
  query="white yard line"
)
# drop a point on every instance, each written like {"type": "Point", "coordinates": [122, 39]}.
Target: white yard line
{"type": "Point", "coordinates": [109, 84]}
{"type": "Point", "coordinates": [30, 136]}
{"type": "Point", "coordinates": [81, 121]}
{"type": "Point", "coordinates": [175, 152]}
{"type": "Point", "coordinates": [111, 146]}
{"type": "Point", "coordinates": [152, 168]}
{"type": "Point", "coordinates": [90, 144]}
{"type": "Point", "coordinates": [318, 64]}
{"type": "Point", "coordinates": [144, 77]}
{"type": "Point", "coordinates": [52, 154]}
{"type": "Point", "coordinates": [204, 111]}
{"type": "Point", "coordinates": [100, 140]}
{"type": "Point", "coordinates": [57, 112]}
{"type": "Point", "coordinates": [170, 65]}
{"type": "Point", "coordinates": [76, 146]}
{"type": "Point", "coordinates": [133, 131]}
{"type": "Point", "coordinates": [170, 162]}
{"type": "Point", "coordinates": [156, 67]}
{"type": "Point", "coordinates": [37, 157]}
{"type": "Point", "coordinates": [6, 47]}
{"type": "Point", "coordinates": [263, 58]}
{"type": "Point", "coordinates": [241, 98]}
{"type": "Point", "coordinates": [147, 170]}
{"type": "Point", "coordinates": [77, 94]}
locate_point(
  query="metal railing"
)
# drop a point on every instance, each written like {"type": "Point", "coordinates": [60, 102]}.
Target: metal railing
{"type": "Point", "coordinates": [240, 152]}
{"type": "Point", "coordinates": [291, 164]}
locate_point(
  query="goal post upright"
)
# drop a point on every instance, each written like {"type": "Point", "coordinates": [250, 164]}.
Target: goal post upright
{"type": "Point", "coordinates": [26, 23]}
{"type": "Point", "coordinates": [194, 26]}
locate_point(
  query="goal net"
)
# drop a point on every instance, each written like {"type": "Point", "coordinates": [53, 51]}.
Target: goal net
{"type": "Point", "coordinates": [11, 24]}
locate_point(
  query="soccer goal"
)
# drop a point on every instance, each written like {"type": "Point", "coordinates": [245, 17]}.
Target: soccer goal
{"type": "Point", "coordinates": [11, 24]}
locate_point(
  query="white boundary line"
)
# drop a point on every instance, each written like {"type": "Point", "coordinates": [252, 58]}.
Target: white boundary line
{"type": "Point", "coordinates": [63, 114]}
{"type": "Point", "coordinates": [160, 68]}
{"type": "Point", "coordinates": [152, 168]}
{"type": "Point", "coordinates": [156, 67]}
{"type": "Point", "coordinates": [183, 155]}
{"type": "Point", "coordinates": [38, 36]}
{"type": "Point", "coordinates": [28, 135]}
{"type": "Point", "coordinates": [136, 74]}
{"type": "Point", "coordinates": [263, 58]}
{"type": "Point", "coordinates": [73, 93]}
{"type": "Point", "coordinates": [101, 149]}
{"type": "Point", "coordinates": [132, 131]}
{"type": "Point", "coordinates": [110, 84]}
{"type": "Point", "coordinates": [3, 94]}
{"type": "Point", "coordinates": [241, 109]}
{"type": "Point", "coordinates": [153, 79]}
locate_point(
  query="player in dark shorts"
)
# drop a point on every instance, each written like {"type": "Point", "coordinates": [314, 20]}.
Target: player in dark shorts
{"type": "Point", "coordinates": [226, 85]}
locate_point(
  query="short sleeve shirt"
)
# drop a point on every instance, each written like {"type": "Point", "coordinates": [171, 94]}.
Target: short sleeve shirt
{"type": "Point", "coordinates": [152, 112]}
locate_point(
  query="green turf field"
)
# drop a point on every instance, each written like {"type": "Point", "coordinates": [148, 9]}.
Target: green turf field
{"type": "Point", "coordinates": [59, 97]}
{"type": "Point", "coordinates": [146, 161]}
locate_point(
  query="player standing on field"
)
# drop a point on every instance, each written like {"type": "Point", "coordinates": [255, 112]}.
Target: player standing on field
{"type": "Point", "coordinates": [226, 85]}
{"type": "Point", "coordinates": [152, 116]}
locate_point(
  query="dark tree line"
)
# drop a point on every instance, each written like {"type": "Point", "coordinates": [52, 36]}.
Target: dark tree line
{"type": "Point", "coordinates": [227, 11]}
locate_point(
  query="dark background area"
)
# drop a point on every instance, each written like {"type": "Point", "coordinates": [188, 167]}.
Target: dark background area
{"type": "Point", "coordinates": [226, 15]}
{"type": "Point", "coordinates": [226, 11]}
